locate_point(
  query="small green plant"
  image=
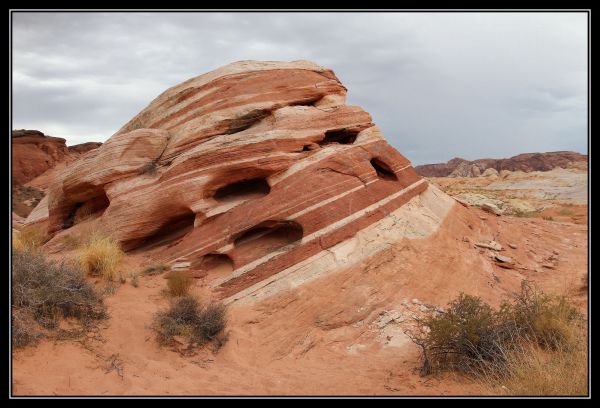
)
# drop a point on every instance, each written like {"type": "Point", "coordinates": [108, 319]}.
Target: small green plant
{"type": "Point", "coordinates": [149, 168]}
{"type": "Point", "coordinates": [471, 336]}
{"type": "Point", "coordinates": [187, 318]}
{"type": "Point", "coordinates": [155, 269]}
{"type": "Point", "coordinates": [179, 282]}
{"type": "Point", "coordinates": [133, 278]}
{"type": "Point", "coordinates": [566, 212]}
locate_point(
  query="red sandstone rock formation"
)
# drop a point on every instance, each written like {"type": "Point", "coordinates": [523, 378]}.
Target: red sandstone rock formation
{"type": "Point", "coordinates": [33, 153]}
{"type": "Point", "coordinates": [249, 169]}
{"type": "Point", "coordinates": [526, 162]}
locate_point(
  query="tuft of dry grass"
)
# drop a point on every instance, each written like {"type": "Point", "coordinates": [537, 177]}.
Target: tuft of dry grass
{"type": "Point", "coordinates": [100, 254]}
{"type": "Point", "coordinates": [29, 238]}
{"type": "Point", "coordinates": [533, 371]}
{"type": "Point", "coordinates": [179, 283]}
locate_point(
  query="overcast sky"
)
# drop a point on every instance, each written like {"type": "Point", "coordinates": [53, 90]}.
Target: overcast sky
{"type": "Point", "coordinates": [439, 85]}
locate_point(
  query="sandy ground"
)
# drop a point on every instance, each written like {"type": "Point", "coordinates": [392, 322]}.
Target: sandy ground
{"type": "Point", "coordinates": [326, 337]}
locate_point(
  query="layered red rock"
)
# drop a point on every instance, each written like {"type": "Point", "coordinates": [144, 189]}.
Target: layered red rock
{"type": "Point", "coordinates": [526, 162]}
{"type": "Point", "coordinates": [33, 153]}
{"type": "Point", "coordinates": [242, 173]}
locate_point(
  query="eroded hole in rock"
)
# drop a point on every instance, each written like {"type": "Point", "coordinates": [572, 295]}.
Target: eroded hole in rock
{"type": "Point", "coordinates": [212, 265]}
{"type": "Point", "coordinates": [81, 211]}
{"type": "Point", "coordinates": [246, 121]}
{"type": "Point", "coordinates": [343, 136]}
{"type": "Point", "coordinates": [268, 236]}
{"type": "Point", "coordinates": [69, 220]}
{"type": "Point", "coordinates": [307, 102]}
{"type": "Point", "coordinates": [256, 187]}
{"type": "Point", "coordinates": [170, 230]}
{"type": "Point", "coordinates": [383, 170]}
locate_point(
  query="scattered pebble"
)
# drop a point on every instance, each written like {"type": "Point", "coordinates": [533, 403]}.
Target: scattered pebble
{"type": "Point", "coordinates": [548, 266]}
{"type": "Point", "coordinates": [505, 259]}
{"type": "Point", "coordinates": [491, 245]}
{"type": "Point", "coordinates": [513, 246]}
{"type": "Point", "coordinates": [491, 208]}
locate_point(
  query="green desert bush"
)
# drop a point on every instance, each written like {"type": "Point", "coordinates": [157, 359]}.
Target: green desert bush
{"type": "Point", "coordinates": [502, 343]}
{"type": "Point", "coordinates": [155, 269]}
{"type": "Point", "coordinates": [198, 324]}
{"type": "Point", "coordinates": [179, 282]}
{"type": "Point", "coordinates": [43, 292]}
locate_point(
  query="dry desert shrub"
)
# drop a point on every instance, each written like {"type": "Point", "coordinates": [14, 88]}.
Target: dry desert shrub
{"type": "Point", "coordinates": [44, 292]}
{"type": "Point", "coordinates": [179, 283]}
{"type": "Point", "coordinates": [502, 344]}
{"type": "Point", "coordinates": [198, 324]}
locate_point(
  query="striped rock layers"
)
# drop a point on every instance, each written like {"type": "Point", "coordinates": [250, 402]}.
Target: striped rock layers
{"type": "Point", "coordinates": [240, 173]}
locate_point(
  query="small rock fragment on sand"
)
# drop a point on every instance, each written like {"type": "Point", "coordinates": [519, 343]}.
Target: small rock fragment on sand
{"type": "Point", "coordinates": [496, 246]}
{"type": "Point", "coordinates": [513, 246]}
{"type": "Point", "coordinates": [491, 208]}
{"type": "Point", "coordinates": [501, 258]}
{"type": "Point", "coordinates": [548, 266]}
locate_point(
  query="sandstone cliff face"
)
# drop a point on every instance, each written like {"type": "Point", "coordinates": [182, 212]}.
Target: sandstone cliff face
{"type": "Point", "coordinates": [33, 153]}
{"type": "Point", "coordinates": [247, 170]}
{"type": "Point", "coordinates": [526, 162]}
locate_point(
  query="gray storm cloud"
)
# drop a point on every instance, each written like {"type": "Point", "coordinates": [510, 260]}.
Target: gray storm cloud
{"type": "Point", "coordinates": [439, 85]}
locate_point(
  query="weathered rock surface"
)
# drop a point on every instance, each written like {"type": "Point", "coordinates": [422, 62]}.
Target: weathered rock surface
{"type": "Point", "coordinates": [249, 170]}
{"type": "Point", "coordinates": [526, 162]}
{"type": "Point", "coordinates": [33, 153]}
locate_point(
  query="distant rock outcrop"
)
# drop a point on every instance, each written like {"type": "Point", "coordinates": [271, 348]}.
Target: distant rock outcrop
{"type": "Point", "coordinates": [526, 162]}
{"type": "Point", "coordinates": [251, 169]}
{"type": "Point", "coordinates": [33, 153]}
